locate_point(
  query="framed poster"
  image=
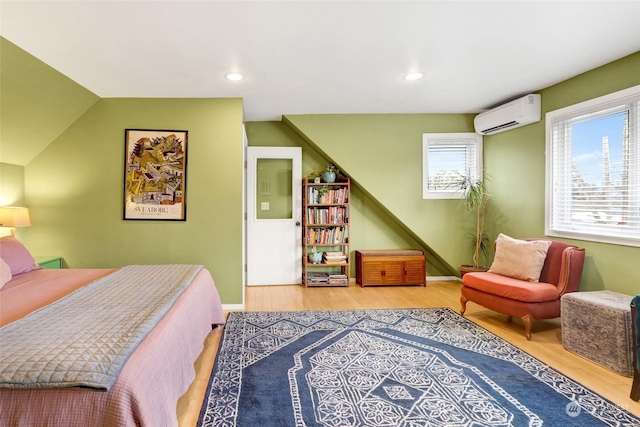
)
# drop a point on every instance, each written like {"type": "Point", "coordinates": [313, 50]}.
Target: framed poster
{"type": "Point", "coordinates": [155, 174]}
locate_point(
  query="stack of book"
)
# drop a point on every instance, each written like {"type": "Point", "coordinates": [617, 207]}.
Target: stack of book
{"type": "Point", "coordinates": [334, 257]}
{"type": "Point", "coordinates": [327, 236]}
{"type": "Point", "coordinates": [318, 278]}
{"type": "Point", "coordinates": [338, 279]}
{"type": "Point", "coordinates": [336, 196]}
{"type": "Point", "coordinates": [329, 215]}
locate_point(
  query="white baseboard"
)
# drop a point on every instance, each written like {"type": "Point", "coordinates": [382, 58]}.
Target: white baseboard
{"type": "Point", "coordinates": [441, 278]}
{"type": "Point", "coordinates": [233, 307]}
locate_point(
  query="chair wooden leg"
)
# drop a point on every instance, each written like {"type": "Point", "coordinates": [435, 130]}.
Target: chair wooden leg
{"type": "Point", "coordinates": [528, 324]}
{"type": "Point", "coordinates": [463, 303]}
{"type": "Point", "coordinates": [635, 387]}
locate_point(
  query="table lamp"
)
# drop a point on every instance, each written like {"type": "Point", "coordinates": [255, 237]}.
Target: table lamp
{"type": "Point", "coordinates": [12, 216]}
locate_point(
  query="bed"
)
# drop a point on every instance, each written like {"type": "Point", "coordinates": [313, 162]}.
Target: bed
{"type": "Point", "coordinates": [155, 374]}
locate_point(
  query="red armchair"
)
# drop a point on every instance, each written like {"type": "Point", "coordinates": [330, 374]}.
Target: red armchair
{"type": "Point", "coordinates": [529, 301]}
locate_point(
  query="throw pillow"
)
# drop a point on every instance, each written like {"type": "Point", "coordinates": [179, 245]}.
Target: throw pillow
{"type": "Point", "coordinates": [16, 256]}
{"type": "Point", "coordinates": [520, 259]}
{"type": "Point", "coordinates": [5, 273]}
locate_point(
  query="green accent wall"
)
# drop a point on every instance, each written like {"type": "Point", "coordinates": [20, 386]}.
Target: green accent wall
{"type": "Point", "coordinates": [11, 185]}
{"type": "Point", "coordinates": [515, 160]}
{"type": "Point", "coordinates": [12, 192]}
{"type": "Point", "coordinates": [371, 226]}
{"type": "Point", "coordinates": [74, 184]}
{"type": "Point", "coordinates": [37, 103]}
{"type": "Point", "coordinates": [74, 190]}
{"type": "Point", "coordinates": [383, 155]}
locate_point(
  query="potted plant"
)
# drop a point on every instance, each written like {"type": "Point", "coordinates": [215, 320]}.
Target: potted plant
{"type": "Point", "coordinates": [475, 199]}
{"type": "Point", "coordinates": [322, 191]}
{"type": "Point", "coordinates": [315, 176]}
{"type": "Point", "coordinates": [330, 172]}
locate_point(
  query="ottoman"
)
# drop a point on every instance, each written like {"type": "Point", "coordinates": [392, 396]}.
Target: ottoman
{"type": "Point", "coordinates": [597, 325]}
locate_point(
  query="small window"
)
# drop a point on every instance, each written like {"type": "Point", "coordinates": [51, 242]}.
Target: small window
{"type": "Point", "coordinates": [446, 159]}
{"type": "Point", "coordinates": [593, 169]}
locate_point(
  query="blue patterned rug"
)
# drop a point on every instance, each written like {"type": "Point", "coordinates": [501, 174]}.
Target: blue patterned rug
{"type": "Point", "coordinates": [418, 367]}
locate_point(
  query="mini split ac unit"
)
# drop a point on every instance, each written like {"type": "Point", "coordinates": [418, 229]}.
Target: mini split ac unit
{"type": "Point", "coordinates": [520, 112]}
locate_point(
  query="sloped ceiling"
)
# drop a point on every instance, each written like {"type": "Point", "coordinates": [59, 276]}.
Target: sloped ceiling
{"type": "Point", "coordinates": [37, 103]}
{"type": "Point", "coordinates": [311, 57]}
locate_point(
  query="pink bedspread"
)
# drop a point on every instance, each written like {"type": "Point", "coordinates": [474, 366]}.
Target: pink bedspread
{"type": "Point", "coordinates": [28, 292]}
{"type": "Point", "coordinates": [153, 379]}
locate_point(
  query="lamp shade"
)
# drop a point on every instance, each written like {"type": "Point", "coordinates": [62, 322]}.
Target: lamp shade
{"type": "Point", "coordinates": [14, 217]}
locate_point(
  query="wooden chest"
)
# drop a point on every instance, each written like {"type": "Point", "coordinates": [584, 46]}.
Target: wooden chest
{"type": "Point", "coordinates": [390, 267]}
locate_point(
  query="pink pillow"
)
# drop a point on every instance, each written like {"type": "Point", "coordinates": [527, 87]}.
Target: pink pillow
{"type": "Point", "coordinates": [5, 273]}
{"type": "Point", "coordinates": [16, 256]}
{"type": "Point", "coordinates": [520, 259]}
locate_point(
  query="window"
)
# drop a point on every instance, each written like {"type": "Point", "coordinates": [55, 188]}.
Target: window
{"type": "Point", "coordinates": [593, 169]}
{"type": "Point", "coordinates": [446, 159]}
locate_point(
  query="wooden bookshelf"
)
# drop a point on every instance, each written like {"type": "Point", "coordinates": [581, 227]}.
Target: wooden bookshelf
{"type": "Point", "coordinates": [325, 229]}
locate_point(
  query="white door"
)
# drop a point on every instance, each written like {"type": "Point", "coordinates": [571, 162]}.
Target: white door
{"type": "Point", "coordinates": [274, 213]}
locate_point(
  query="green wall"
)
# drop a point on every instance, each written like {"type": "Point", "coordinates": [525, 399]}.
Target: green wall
{"type": "Point", "coordinates": [11, 185]}
{"type": "Point", "coordinates": [74, 187]}
{"type": "Point", "coordinates": [371, 227]}
{"type": "Point", "coordinates": [37, 103]}
{"type": "Point", "coordinates": [382, 153]}
{"type": "Point", "coordinates": [12, 192]}
{"type": "Point", "coordinates": [74, 190]}
{"type": "Point", "coordinates": [516, 162]}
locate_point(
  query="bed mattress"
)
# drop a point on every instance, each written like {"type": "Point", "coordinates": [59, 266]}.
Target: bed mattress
{"type": "Point", "coordinates": [155, 376]}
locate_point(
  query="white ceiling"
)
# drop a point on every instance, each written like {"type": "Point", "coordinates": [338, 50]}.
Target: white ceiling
{"type": "Point", "coordinates": [307, 57]}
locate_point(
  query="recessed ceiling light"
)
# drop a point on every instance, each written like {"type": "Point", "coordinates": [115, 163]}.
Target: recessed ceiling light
{"type": "Point", "coordinates": [413, 76]}
{"type": "Point", "coordinates": [234, 76]}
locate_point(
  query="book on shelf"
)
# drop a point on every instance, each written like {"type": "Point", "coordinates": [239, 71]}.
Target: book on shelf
{"type": "Point", "coordinates": [333, 196]}
{"type": "Point", "coordinates": [338, 279]}
{"type": "Point", "coordinates": [334, 257]}
{"type": "Point", "coordinates": [335, 254]}
{"type": "Point", "coordinates": [328, 215]}
{"type": "Point", "coordinates": [327, 235]}
{"type": "Point", "coordinates": [317, 277]}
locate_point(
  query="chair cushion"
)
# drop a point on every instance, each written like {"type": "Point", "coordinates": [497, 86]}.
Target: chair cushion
{"type": "Point", "coordinates": [508, 287]}
{"type": "Point", "coordinates": [520, 259]}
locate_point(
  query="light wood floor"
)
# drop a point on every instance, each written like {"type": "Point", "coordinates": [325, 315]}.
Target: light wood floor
{"type": "Point", "coordinates": [545, 345]}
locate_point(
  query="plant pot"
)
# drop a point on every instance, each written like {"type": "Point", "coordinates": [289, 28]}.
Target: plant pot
{"type": "Point", "coordinates": [471, 269]}
{"type": "Point", "coordinates": [329, 176]}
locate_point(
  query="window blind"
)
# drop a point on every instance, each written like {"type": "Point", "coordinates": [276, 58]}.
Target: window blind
{"type": "Point", "coordinates": [595, 172]}
{"type": "Point", "coordinates": [448, 159]}
{"type": "Point", "coordinates": [448, 165]}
